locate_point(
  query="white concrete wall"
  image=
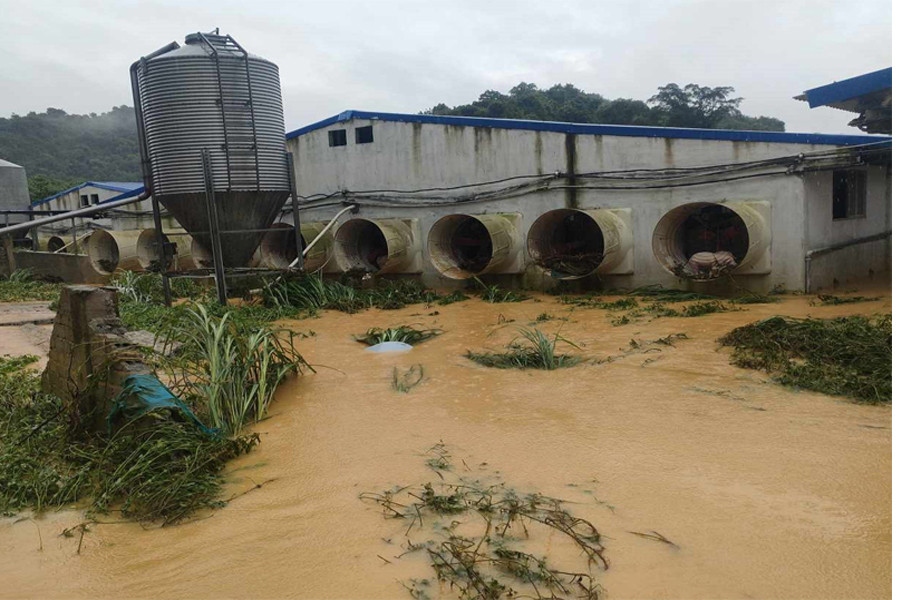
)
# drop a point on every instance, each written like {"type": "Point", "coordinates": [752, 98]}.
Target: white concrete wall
{"type": "Point", "coordinates": [407, 156]}
{"type": "Point", "coordinates": [853, 263]}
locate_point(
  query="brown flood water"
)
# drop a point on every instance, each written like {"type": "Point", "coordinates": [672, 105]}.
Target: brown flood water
{"type": "Point", "coordinates": [769, 492]}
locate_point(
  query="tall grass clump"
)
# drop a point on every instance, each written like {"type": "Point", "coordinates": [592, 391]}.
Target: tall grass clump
{"type": "Point", "coordinates": [312, 293]}
{"type": "Point", "coordinates": [404, 333]}
{"type": "Point", "coordinates": [21, 286]}
{"type": "Point", "coordinates": [495, 294]}
{"type": "Point", "coordinates": [230, 373]}
{"type": "Point", "coordinates": [847, 356]}
{"type": "Point", "coordinates": [531, 349]}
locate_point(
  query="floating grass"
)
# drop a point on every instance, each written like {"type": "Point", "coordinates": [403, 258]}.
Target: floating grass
{"type": "Point", "coordinates": [847, 356]}
{"type": "Point", "coordinates": [755, 299]}
{"type": "Point", "coordinates": [404, 381]}
{"type": "Point", "coordinates": [532, 349]}
{"type": "Point", "coordinates": [440, 517]}
{"type": "Point", "coordinates": [404, 333]}
{"type": "Point", "coordinates": [590, 301]}
{"type": "Point", "coordinates": [829, 300]}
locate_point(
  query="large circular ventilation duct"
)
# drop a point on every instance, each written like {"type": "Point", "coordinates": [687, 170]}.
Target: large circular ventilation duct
{"type": "Point", "coordinates": [572, 243]}
{"type": "Point", "coordinates": [463, 246]}
{"type": "Point", "coordinates": [148, 254]}
{"type": "Point", "coordinates": [112, 250]}
{"type": "Point", "coordinates": [278, 248]}
{"type": "Point", "coordinates": [703, 241]}
{"type": "Point", "coordinates": [373, 245]}
{"type": "Point", "coordinates": [56, 244]}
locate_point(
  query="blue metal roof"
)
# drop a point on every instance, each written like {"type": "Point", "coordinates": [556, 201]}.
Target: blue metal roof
{"type": "Point", "coordinates": [592, 129]}
{"type": "Point", "coordinates": [114, 186]}
{"type": "Point", "coordinates": [848, 89]}
{"type": "Point", "coordinates": [129, 194]}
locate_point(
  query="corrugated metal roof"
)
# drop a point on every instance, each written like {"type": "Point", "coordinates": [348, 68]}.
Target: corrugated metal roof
{"type": "Point", "coordinates": [114, 186]}
{"type": "Point", "coordinates": [839, 92]}
{"type": "Point", "coordinates": [592, 129]}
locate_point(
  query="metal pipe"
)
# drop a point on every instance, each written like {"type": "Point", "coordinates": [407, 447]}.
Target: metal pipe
{"type": "Point", "coordinates": [72, 213]}
{"type": "Point", "coordinates": [295, 209]}
{"type": "Point", "coordinates": [73, 242]}
{"type": "Point", "coordinates": [161, 249]}
{"type": "Point", "coordinates": [322, 234]}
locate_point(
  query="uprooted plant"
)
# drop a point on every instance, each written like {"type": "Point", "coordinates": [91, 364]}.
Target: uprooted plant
{"type": "Point", "coordinates": [531, 349]}
{"type": "Point", "coordinates": [403, 333]}
{"type": "Point", "coordinates": [847, 356]}
{"type": "Point", "coordinates": [475, 535]}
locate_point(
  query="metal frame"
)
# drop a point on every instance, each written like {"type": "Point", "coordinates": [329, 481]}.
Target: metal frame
{"type": "Point", "coordinates": [219, 272]}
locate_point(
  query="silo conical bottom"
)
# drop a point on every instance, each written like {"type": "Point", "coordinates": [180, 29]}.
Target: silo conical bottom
{"type": "Point", "coordinates": [238, 211]}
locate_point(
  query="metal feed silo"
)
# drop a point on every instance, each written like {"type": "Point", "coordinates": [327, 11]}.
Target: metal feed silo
{"type": "Point", "coordinates": [211, 94]}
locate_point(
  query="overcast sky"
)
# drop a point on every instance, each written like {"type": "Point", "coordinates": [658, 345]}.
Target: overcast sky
{"type": "Point", "coordinates": [405, 56]}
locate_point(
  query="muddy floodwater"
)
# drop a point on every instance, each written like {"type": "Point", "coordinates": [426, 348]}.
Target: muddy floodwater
{"type": "Point", "coordinates": [768, 492]}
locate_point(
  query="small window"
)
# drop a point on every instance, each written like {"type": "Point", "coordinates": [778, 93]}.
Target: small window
{"type": "Point", "coordinates": [95, 198]}
{"type": "Point", "coordinates": [364, 135]}
{"type": "Point", "coordinates": [84, 200]}
{"type": "Point", "coordinates": [848, 194]}
{"type": "Point", "coordinates": [337, 137]}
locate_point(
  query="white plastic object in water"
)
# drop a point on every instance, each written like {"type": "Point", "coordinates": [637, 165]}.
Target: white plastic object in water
{"type": "Point", "coordinates": [389, 347]}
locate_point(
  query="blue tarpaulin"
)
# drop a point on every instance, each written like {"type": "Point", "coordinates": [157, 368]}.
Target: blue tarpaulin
{"type": "Point", "coordinates": [143, 394]}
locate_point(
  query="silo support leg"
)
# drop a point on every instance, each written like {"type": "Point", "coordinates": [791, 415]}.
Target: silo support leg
{"type": "Point", "coordinates": [215, 241]}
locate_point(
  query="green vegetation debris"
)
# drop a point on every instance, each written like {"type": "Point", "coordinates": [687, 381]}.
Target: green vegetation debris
{"type": "Point", "coordinates": [473, 532]}
{"type": "Point", "coordinates": [149, 470]}
{"type": "Point", "coordinates": [21, 286]}
{"type": "Point", "coordinates": [590, 301]}
{"type": "Point", "coordinates": [407, 380]}
{"type": "Point", "coordinates": [312, 293]}
{"type": "Point", "coordinates": [828, 300]}
{"type": "Point", "coordinates": [495, 294]}
{"type": "Point", "coordinates": [231, 373]}
{"type": "Point", "coordinates": [532, 349]}
{"type": "Point", "coordinates": [404, 333]}
{"type": "Point", "coordinates": [847, 356]}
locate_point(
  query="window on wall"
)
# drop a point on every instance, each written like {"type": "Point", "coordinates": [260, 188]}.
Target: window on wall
{"type": "Point", "coordinates": [95, 199]}
{"type": "Point", "coordinates": [337, 137]}
{"type": "Point", "coordinates": [848, 194]}
{"type": "Point", "coordinates": [364, 135]}
{"type": "Point", "coordinates": [84, 200]}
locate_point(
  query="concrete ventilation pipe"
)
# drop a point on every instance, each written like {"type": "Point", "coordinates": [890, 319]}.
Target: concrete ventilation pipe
{"type": "Point", "coordinates": [112, 250]}
{"type": "Point", "coordinates": [463, 246]}
{"type": "Point", "coordinates": [148, 254]}
{"type": "Point", "coordinates": [54, 243]}
{"type": "Point", "coordinates": [702, 230]}
{"type": "Point", "coordinates": [201, 258]}
{"type": "Point", "coordinates": [278, 248]}
{"type": "Point", "coordinates": [572, 243]}
{"type": "Point", "coordinates": [374, 245]}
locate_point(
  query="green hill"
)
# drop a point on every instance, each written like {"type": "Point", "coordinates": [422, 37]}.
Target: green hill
{"type": "Point", "coordinates": [58, 149]}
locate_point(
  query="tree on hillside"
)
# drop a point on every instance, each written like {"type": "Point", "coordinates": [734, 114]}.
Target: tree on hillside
{"type": "Point", "coordinates": [65, 148]}
{"type": "Point", "coordinates": [672, 106]}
